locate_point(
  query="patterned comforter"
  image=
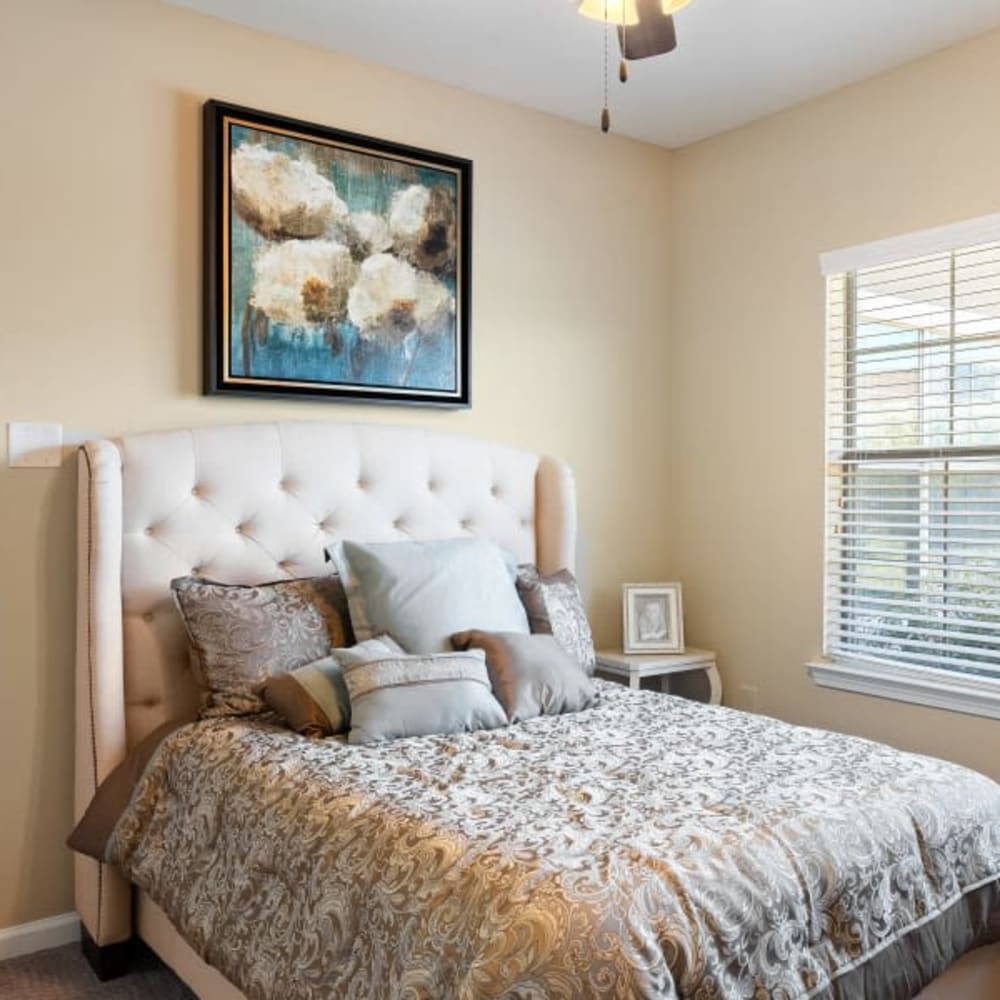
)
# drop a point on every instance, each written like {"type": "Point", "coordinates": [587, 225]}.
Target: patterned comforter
{"type": "Point", "coordinates": [648, 847]}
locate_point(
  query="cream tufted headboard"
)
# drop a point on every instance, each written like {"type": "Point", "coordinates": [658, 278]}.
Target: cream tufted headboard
{"type": "Point", "coordinates": [245, 504]}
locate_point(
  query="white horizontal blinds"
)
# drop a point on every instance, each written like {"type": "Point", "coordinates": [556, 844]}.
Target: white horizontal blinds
{"type": "Point", "coordinates": [913, 459]}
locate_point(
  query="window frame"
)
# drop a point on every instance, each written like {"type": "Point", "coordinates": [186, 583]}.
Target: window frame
{"type": "Point", "coordinates": [930, 686]}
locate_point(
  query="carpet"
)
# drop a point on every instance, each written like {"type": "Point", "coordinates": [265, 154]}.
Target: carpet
{"type": "Point", "coordinates": [63, 974]}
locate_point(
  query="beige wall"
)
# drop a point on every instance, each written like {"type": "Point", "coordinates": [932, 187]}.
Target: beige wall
{"type": "Point", "coordinates": [101, 328]}
{"type": "Point", "coordinates": [750, 212]}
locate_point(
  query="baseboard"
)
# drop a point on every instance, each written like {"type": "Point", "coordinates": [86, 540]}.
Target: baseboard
{"type": "Point", "coordinates": [23, 939]}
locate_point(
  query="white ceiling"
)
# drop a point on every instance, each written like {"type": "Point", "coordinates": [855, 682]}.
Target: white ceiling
{"type": "Point", "coordinates": [736, 60]}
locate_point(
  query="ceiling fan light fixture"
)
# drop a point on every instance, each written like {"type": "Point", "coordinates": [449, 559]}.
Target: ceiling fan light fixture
{"type": "Point", "coordinates": [644, 27]}
{"type": "Point", "coordinates": [654, 35]}
{"type": "Point", "coordinates": [625, 12]}
{"type": "Point", "coordinates": [619, 11]}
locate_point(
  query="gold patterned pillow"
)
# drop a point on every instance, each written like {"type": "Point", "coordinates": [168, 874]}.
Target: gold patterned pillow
{"type": "Point", "coordinates": [241, 635]}
{"type": "Point", "coordinates": [555, 607]}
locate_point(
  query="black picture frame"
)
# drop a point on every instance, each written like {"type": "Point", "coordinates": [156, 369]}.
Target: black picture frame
{"type": "Point", "coordinates": [345, 293]}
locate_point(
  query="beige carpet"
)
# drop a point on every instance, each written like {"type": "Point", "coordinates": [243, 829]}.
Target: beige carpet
{"type": "Point", "coordinates": [63, 974]}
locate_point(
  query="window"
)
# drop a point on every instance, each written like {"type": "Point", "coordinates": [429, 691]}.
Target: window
{"type": "Point", "coordinates": [912, 567]}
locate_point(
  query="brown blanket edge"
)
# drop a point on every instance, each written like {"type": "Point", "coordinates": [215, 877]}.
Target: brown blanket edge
{"type": "Point", "coordinates": [90, 836]}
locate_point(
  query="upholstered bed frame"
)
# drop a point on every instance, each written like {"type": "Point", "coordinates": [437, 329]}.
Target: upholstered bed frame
{"type": "Point", "coordinates": [249, 503]}
{"type": "Point", "coordinates": [245, 504]}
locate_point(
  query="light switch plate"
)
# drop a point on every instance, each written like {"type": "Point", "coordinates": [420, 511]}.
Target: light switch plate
{"type": "Point", "coordinates": [34, 446]}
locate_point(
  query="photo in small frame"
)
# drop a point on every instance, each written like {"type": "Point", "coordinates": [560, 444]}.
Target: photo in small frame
{"type": "Point", "coordinates": [652, 618]}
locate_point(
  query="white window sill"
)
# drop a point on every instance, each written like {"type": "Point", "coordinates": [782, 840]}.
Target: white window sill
{"type": "Point", "coordinates": [920, 685]}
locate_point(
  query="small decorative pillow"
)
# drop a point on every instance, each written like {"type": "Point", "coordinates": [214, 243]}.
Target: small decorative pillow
{"type": "Point", "coordinates": [241, 635]}
{"type": "Point", "coordinates": [313, 699]}
{"type": "Point", "coordinates": [531, 674]}
{"type": "Point", "coordinates": [419, 696]}
{"type": "Point", "coordinates": [555, 608]}
{"type": "Point", "coordinates": [422, 592]}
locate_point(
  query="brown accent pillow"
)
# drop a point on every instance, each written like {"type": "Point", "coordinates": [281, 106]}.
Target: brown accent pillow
{"type": "Point", "coordinates": [241, 635]}
{"type": "Point", "coordinates": [313, 699]}
{"type": "Point", "coordinates": [298, 706]}
{"type": "Point", "coordinates": [531, 674]}
{"type": "Point", "coordinates": [555, 608]}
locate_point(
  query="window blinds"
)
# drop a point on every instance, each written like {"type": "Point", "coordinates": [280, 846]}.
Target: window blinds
{"type": "Point", "coordinates": [913, 460]}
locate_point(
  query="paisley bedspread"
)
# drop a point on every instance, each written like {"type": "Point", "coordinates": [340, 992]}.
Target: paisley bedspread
{"type": "Point", "coordinates": [647, 847]}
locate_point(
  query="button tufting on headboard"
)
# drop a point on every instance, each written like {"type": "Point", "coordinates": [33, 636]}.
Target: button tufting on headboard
{"type": "Point", "coordinates": [267, 498]}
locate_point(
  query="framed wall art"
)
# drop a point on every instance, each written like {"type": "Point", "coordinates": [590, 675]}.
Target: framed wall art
{"type": "Point", "coordinates": [337, 265]}
{"type": "Point", "coordinates": [653, 618]}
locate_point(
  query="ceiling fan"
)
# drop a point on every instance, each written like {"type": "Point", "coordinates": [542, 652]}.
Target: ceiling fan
{"type": "Point", "coordinates": [645, 28]}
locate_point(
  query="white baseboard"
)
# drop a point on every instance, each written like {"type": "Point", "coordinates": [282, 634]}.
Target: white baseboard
{"type": "Point", "coordinates": [23, 939]}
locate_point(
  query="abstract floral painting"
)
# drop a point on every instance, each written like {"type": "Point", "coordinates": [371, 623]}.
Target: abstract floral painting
{"type": "Point", "coordinates": [337, 265]}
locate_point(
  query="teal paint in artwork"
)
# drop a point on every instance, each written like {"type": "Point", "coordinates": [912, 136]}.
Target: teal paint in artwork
{"type": "Point", "coordinates": [325, 346]}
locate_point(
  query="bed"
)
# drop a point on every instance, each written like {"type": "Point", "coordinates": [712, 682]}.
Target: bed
{"type": "Point", "coordinates": [251, 503]}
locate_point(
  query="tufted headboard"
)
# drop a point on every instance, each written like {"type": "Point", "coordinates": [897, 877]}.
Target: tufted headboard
{"type": "Point", "coordinates": [246, 504]}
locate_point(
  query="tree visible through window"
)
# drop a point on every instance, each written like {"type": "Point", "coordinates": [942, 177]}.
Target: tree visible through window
{"type": "Point", "coordinates": [913, 460]}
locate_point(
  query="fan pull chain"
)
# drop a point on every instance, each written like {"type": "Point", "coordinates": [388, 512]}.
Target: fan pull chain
{"type": "Point", "coordinates": [605, 113]}
{"type": "Point", "coordinates": [623, 65]}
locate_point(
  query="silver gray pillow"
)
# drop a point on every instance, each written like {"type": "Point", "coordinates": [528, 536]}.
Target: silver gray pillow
{"type": "Point", "coordinates": [531, 675]}
{"type": "Point", "coordinates": [401, 696]}
{"type": "Point", "coordinates": [423, 592]}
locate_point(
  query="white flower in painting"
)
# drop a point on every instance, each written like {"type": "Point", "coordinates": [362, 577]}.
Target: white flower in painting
{"type": "Point", "coordinates": [302, 282]}
{"type": "Point", "coordinates": [391, 299]}
{"type": "Point", "coordinates": [422, 223]}
{"type": "Point", "coordinates": [281, 196]}
{"type": "Point", "coordinates": [368, 234]}
{"type": "Point", "coordinates": [435, 303]}
{"type": "Point", "coordinates": [406, 214]}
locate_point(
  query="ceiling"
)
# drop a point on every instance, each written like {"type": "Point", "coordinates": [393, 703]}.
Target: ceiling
{"type": "Point", "coordinates": [736, 60]}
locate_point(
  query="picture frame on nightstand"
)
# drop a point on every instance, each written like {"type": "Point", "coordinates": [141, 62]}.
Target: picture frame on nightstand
{"type": "Point", "coordinates": [652, 618]}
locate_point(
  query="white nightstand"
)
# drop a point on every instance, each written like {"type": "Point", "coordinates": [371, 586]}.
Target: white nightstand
{"type": "Point", "coordinates": [632, 667]}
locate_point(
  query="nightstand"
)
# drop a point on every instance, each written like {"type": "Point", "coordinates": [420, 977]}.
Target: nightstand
{"type": "Point", "coordinates": [631, 668]}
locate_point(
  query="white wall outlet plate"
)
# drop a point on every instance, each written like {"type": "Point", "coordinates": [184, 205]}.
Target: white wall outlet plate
{"type": "Point", "coordinates": [34, 446]}
{"type": "Point", "coordinates": [747, 698]}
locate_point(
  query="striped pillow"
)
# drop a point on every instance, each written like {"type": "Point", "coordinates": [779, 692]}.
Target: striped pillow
{"type": "Point", "coordinates": [313, 699]}
{"type": "Point", "coordinates": [399, 696]}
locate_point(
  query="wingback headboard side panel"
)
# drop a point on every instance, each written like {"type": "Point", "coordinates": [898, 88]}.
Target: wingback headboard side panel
{"type": "Point", "coordinates": [257, 502]}
{"type": "Point", "coordinates": [555, 516]}
{"type": "Point", "coordinates": [103, 897]}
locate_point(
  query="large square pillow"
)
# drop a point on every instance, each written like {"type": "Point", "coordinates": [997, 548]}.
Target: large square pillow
{"type": "Point", "coordinates": [313, 699]}
{"type": "Point", "coordinates": [555, 607]}
{"type": "Point", "coordinates": [397, 696]}
{"type": "Point", "coordinates": [241, 635]}
{"type": "Point", "coordinates": [423, 592]}
{"type": "Point", "coordinates": [530, 674]}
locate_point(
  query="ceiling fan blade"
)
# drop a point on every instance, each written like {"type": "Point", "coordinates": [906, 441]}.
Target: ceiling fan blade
{"type": "Point", "coordinates": [652, 36]}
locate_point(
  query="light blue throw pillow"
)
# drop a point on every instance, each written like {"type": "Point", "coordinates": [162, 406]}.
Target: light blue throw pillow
{"type": "Point", "coordinates": [423, 592]}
